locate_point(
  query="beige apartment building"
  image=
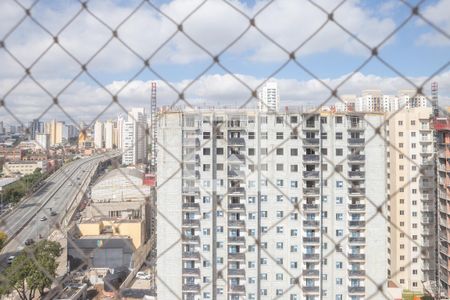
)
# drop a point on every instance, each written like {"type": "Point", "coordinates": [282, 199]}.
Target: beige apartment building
{"type": "Point", "coordinates": [411, 188]}
{"type": "Point", "coordinates": [24, 167]}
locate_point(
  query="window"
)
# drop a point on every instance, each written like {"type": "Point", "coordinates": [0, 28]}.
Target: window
{"type": "Point", "coordinates": [206, 151]}
{"type": "Point", "coordinates": [338, 135]}
{"type": "Point", "coordinates": [251, 151]}
{"type": "Point", "coordinates": [339, 265]}
{"type": "Point", "coordinates": [280, 182]}
{"type": "Point", "coordinates": [252, 200]}
{"type": "Point", "coordinates": [279, 135]}
{"type": "Point", "coordinates": [264, 135]}
{"type": "Point", "coordinates": [294, 168]}
{"type": "Point", "coordinates": [339, 184]}
{"type": "Point", "coordinates": [251, 135]}
{"type": "Point", "coordinates": [280, 167]}
{"type": "Point", "coordinates": [294, 184]}
{"type": "Point", "coordinates": [339, 152]}
{"type": "Point", "coordinates": [339, 120]}
{"type": "Point", "coordinates": [339, 200]}
{"type": "Point", "coordinates": [279, 245]}
{"type": "Point", "coordinates": [206, 135]}
{"type": "Point", "coordinates": [339, 217]}
{"type": "Point", "coordinates": [279, 120]}
{"type": "Point", "coordinates": [294, 152]}
{"type": "Point", "coordinates": [339, 232]}
{"type": "Point", "coordinates": [280, 151]}
{"type": "Point", "coordinates": [294, 119]}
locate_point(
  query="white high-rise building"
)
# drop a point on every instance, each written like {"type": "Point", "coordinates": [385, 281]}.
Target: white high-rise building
{"type": "Point", "coordinates": [376, 101]}
{"type": "Point", "coordinates": [134, 141]}
{"type": "Point", "coordinates": [268, 97]}
{"type": "Point", "coordinates": [99, 133]}
{"type": "Point", "coordinates": [43, 140]}
{"type": "Point", "coordinates": [242, 217]}
{"type": "Point", "coordinates": [109, 135]}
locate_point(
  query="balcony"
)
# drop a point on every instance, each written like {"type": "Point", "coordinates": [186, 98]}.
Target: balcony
{"type": "Point", "coordinates": [191, 142]}
{"type": "Point", "coordinates": [236, 174]}
{"type": "Point", "coordinates": [191, 287]}
{"type": "Point", "coordinates": [356, 289]}
{"type": "Point", "coordinates": [356, 223]}
{"type": "Point", "coordinates": [357, 207]}
{"type": "Point", "coordinates": [310, 289]}
{"type": "Point", "coordinates": [356, 141]}
{"type": "Point", "coordinates": [356, 273]}
{"type": "Point", "coordinates": [358, 256]}
{"type": "Point", "coordinates": [311, 223]}
{"type": "Point", "coordinates": [308, 240]}
{"type": "Point", "coordinates": [357, 126]}
{"type": "Point", "coordinates": [190, 239]}
{"type": "Point", "coordinates": [311, 191]}
{"type": "Point", "coordinates": [427, 220]}
{"type": "Point", "coordinates": [236, 256]}
{"type": "Point", "coordinates": [191, 206]}
{"type": "Point", "coordinates": [356, 175]}
{"type": "Point", "coordinates": [236, 206]}
{"type": "Point", "coordinates": [236, 240]}
{"type": "Point", "coordinates": [310, 273]}
{"type": "Point", "coordinates": [191, 174]}
{"type": "Point", "coordinates": [236, 223]}
{"type": "Point", "coordinates": [310, 126]}
{"type": "Point", "coordinates": [310, 142]}
{"type": "Point", "coordinates": [311, 158]}
{"type": "Point", "coordinates": [191, 271]}
{"type": "Point", "coordinates": [191, 255]}
{"type": "Point", "coordinates": [357, 240]}
{"type": "Point", "coordinates": [236, 190]}
{"type": "Point", "coordinates": [311, 174]}
{"type": "Point", "coordinates": [356, 158]}
{"type": "Point", "coordinates": [236, 272]}
{"type": "Point", "coordinates": [236, 141]}
{"type": "Point", "coordinates": [308, 256]}
{"type": "Point", "coordinates": [356, 190]}
{"type": "Point", "coordinates": [191, 190]}
{"type": "Point", "coordinates": [237, 288]}
{"type": "Point", "coordinates": [191, 222]}
{"type": "Point", "coordinates": [311, 207]}
{"type": "Point", "coordinates": [236, 158]}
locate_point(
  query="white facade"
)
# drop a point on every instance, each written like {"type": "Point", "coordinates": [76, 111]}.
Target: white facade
{"type": "Point", "coordinates": [222, 202]}
{"type": "Point", "coordinates": [99, 133]}
{"type": "Point", "coordinates": [109, 135]}
{"type": "Point", "coordinates": [376, 101]}
{"type": "Point", "coordinates": [269, 97]}
{"type": "Point", "coordinates": [134, 142]}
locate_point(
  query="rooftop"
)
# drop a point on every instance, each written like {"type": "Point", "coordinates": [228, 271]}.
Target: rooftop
{"type": "Point", "coordinates": [6, 181]}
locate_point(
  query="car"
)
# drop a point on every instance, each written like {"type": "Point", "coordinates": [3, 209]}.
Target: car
{"type": "Point", "coordinates": [29, 242]}
{"type": "Point", "coordinates": [43, 218]}
{"type": "Point", "coordinates": [143, 276]}
{"type": "Point", "coordinates": [10, 259]}
{"type": "Point", "coordinates": [53, 213]}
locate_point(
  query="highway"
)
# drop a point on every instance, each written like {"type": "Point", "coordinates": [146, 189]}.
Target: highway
{"type": "Point", "coordinates": [55, 195]}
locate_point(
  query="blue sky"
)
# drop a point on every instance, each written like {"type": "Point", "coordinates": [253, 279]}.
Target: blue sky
{"type": "Point", "coordinates": [416, 51]}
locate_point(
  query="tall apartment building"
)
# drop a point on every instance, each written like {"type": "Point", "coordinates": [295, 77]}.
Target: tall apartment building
{"type": "Point", "coordinates": [43, 140]}
{"type": "Point", "coordinates": [55, 130]}
{"type": "Point", "coordinates": [274, 180]}
{"type": "Point", "coordinates": [376, 101]}
{"type": "Point", "coordinates": [269, 97]}
{"type": "Point", "coordinates": [442, 127]}
{"type": "Point", "coordinates": [134, 138]}
{"type": "Point", "coordinates": [411, 186]}
{"type": "Point", "coordinates": [99, 134]}
{"type": "Point", "coordinates": [109, 135]}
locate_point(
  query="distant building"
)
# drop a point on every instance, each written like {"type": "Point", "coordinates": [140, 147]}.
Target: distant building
{"type": "Point", "coordinates": [109, 135]}
{"type": "Point", "coordinates": [134, 138]}
{"type": "Point", "coordinates": [24, 167]}
{"type": "Point", "coordinates": [268, 97]}
{"type": "Point", "coordinates": [43, 140]}
{"type": "Point", "coordinates": [98, 134]}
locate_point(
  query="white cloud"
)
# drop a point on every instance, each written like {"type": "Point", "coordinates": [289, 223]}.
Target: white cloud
{"type": "Point", "coordinates": [84, 102]}
{"type": "Point", "coordinates": [437, 14]}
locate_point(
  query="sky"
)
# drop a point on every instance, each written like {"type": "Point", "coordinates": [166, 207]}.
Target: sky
{"type": "Point", "coordinates": [182, 62]}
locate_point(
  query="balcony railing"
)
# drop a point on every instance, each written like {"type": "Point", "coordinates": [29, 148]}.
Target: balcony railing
{"type": "Point", "coordinates": [356, 157]}
{"type": "Point", "coordinates": [191, 255]}
{"type": "Point", "coordinates": [356, 141]}
{"type": "Point", "coordinates": [236, 206]}
{"type": "Point", "coordinates": [356, 206]}
{"type": "Point", "coordinates": [236, 190]}
{"type": "Point", "coordinates": [307, 256]}
{"type": "Point", "coordinates": [191, 190]}
{"type": "Point", "coordinates": [355, 126]}
{"type": "Point", "coordinates": [191, 271]}
{"type": "Point", "coordinates": [236, 174]}
{"type": "Point", "coordinates": [308, 239]}
{"type": "Point", "coordinates": [236, 223]}
{"type": "Point", "coordinates": [358, 256]}
{"type": "Point", "coordinates": [356, 190]}
{"type": "Point", "coordinates": [310, 207]}
{"type": "Point", "coordinates": [311, 223]}
{"type": "Point", "coordinates": [356, 174]}
{"type": "Point", "coordinates": [191, 222]}
{"type": "Point", "coordinates": [236, 256]}
{"type": "Point", "coordinates": [356, 240]}
{"type": "Point", "coordinates": [191, 287]}
{"type": "Point", "coordinates": [189, 206]}
{"type": "Point", "coordinates": [236, 141]}
{"type": "Point", "coordinates": [236, 239]}
{"type": "Point", "coordinates": [356, 289]}
{"type": "Point", "coordinates": [191, 238]}
{"type": "Point", "coordinates": [310, 141]}
{"type": "Point", "coordinates": [237, 288]}
{"type": "Point", "coordinates": [310, 289]}
{"type": "Point", "coordinates": [236, 158]}
{"type": "Point", "coordinates": [311, 174]}
{"type": "Point", "coordinates": [356, 223]}
{"type": "Point", "coordinates": [356, 273]}
{"type": "Point", "coordinates": [311, 191]}
{"type": "Point", "coordinates": [310, 273]}
{"type": "Point", "coordinates": [311, 157]}
{"type": "Point", "coordinates": [236, 272]}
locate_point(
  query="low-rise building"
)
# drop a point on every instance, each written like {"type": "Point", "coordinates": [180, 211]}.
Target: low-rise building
{"type": "Point", "coordinates": [24, 167]}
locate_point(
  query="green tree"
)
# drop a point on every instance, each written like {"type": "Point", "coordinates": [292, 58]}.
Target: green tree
{"type": "Point", "coordinates": [3, 238]}
{"type": "Point", "coordinates": [33, 270]}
